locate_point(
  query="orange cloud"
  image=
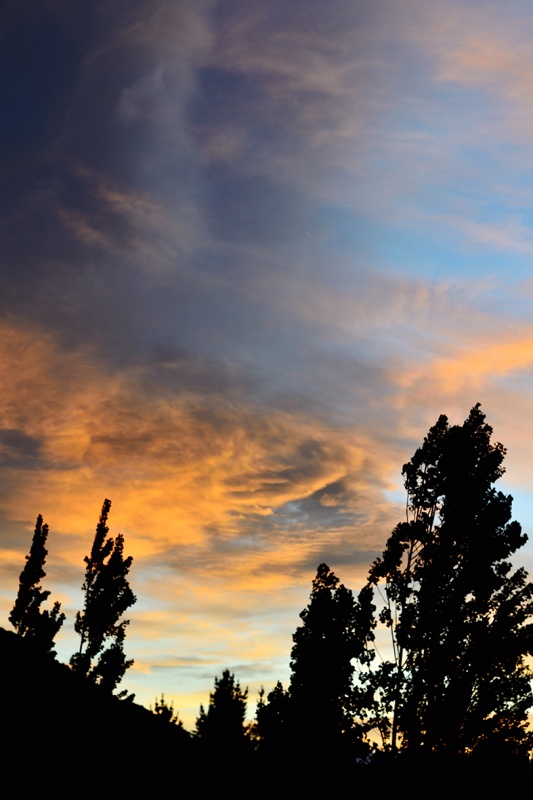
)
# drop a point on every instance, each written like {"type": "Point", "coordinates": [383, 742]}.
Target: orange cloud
{"type": "Point", "coordinates": [174, 467]}
{"type": "Point", "coordinates": [473, 366]}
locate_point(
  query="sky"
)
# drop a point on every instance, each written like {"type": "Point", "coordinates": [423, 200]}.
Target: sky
{"type": "Point", "coordinates": [251, 252]}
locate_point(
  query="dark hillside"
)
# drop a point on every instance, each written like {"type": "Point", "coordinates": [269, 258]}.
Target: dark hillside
{"type": "Point", "coordinates": [58, 730]}
{"type": "Point", "coordinates": [63, 734]}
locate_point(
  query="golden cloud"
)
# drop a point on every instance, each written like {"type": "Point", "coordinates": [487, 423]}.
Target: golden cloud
{"type": "Point", "coordinates": [176, 466]}
{"type": "Point", "coordinates": [472, 366]}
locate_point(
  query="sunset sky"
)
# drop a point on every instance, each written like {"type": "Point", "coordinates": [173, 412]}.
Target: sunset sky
{"type": "Point", "coordinates": [251, 252]}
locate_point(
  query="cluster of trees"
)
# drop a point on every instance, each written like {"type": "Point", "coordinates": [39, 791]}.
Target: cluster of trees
{"type": "Point", "coordinates": [459, 618]}
{"type": "Point", "coordinates": [458, 613]}
{"type": "Point", "coordinates": [107, 596]}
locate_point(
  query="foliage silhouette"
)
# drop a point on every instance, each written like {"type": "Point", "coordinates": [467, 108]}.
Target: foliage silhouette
{"type": "Point", "coordinates": [336, 631]}
{"type": "Point", "coordinates": [107, 596]}
{"type": "Point", "coordinates": [459, 616]}
{"type": "Point", "coordinates": [272, 719]}
{"type": "Point", "coordinates": [165, 712]}
{"type": "Point", "coordinates": [222, 726]}
{"type": "Point", "coordinates": [458, 613]}
{"type": "Point", "coordinates": [26, 616]}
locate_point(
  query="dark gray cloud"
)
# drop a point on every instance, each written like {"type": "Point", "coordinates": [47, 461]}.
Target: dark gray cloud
{"type": "Point", "coordinates": [18, 450]}
{"type": "Point", "coordinates": [129, 227]}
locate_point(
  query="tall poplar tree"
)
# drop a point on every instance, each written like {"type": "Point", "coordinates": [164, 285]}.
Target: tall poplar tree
{"type": "Point", "coordinates": [107, 597]}
{"type": "Point", "coordinates": [27, 617]}
{"type": "Point", "coordinates": [460, 615]}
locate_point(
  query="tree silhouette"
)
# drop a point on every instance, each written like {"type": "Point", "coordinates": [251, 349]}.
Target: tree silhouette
{"type": "Point", "coordinates": [460, 617]}
{"type": "Point", "coordinates": [107, 596]}
{"type": "Point", "coordinates": [222, 726]}
{"type": "Point", "coordinates": [336, 631]}
{"type": "Point", "coordinates": [165, 712]}
{"type": "Point", "coordinates": [272, 719]}
{"type": "Point", "coordinates": [27, 618]}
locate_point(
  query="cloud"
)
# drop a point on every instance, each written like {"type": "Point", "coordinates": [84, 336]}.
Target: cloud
{"type": "Point", "coordinates": [200, 460]}
{"type": "Point", "coordinates": [288, 102]}
{"type": "Point", "coordinates": [137, 101]}
{"type": "Point", "coordinates": [509, 235]}
{"type": "Point", "coordinates": [474, 365]}
{"type": "Point", "coordinates": [252, 253]}
{"type": "Point", "coordinates": [18, 448]}
{"type": "Point", "coordinates": [483, 53]}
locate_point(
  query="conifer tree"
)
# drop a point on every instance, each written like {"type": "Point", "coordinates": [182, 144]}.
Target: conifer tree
{"type": "Point", "coordinates": [222, 726]}
{"type": "Point", "coordinates": [27, 618]}
{"type": "Point", "coordinates": [165, 712]}
{"type": "Point", "coordinates": [107, 596]}
{"type": "Point", "coordinates": [460, 616]}
{"type": "Point", "coordinates": [272, 719]}
{"type": "Point", "coordinates": [336, 631]}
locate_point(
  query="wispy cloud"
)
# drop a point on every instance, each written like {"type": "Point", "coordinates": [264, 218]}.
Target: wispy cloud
{"type": "Point", "coordinates": [251, 255]}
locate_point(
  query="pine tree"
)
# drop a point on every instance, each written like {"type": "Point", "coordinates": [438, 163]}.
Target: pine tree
{"type": "Point", "coordinates": [165, 712]}
{"type": "Point", "coordinates": [335, 633]}
{"type": "Point", "coordinates": [460, 617]}
{"type": "Point", "coordinates": [222, 727]}
{"type": "Point", "coordinates": [27, 618]}
{"type": "Point", "coordinates": [272, 719]}
{"type": "Point", "coordinates": [107, 596]}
